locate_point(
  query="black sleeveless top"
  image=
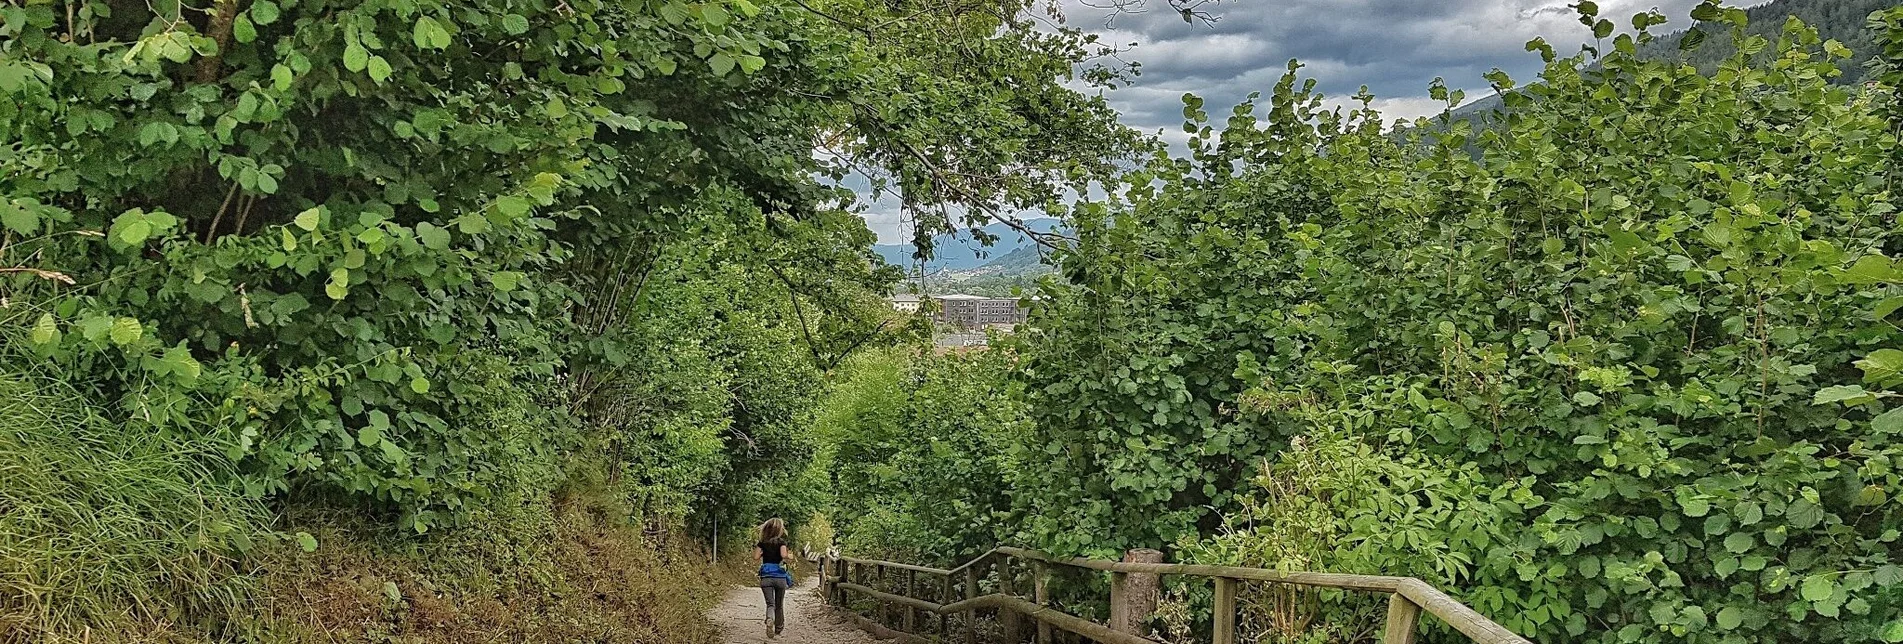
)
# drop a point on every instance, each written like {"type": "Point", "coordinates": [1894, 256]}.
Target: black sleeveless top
{"type": "Point", "coordinates": [770, 551]}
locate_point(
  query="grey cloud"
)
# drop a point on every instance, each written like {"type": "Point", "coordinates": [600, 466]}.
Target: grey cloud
{"type": "Point", "coordinates": [1394, 47]}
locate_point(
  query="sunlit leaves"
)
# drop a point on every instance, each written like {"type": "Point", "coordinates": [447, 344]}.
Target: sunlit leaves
{"type": "Point", "coordinates": [132, 228]}
{"type": "Point", "coordinates": [429, 34]}
{"type": "Point", "coordinates": [356, 58]}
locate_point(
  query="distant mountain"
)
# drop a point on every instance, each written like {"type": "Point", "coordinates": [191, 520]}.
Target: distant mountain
{"type": "Point", "coordinates": [1845, 21]}
{"type": "Point", "coordinates": [959, 252]}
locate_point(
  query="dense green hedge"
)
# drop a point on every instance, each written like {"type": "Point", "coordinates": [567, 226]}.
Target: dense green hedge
{"type": "Point", "coordinates": [922, 451]}
{"type": "Point", "coordinates": [1647, 331]}
{"type": "Point", "coordinates": [415, 257]}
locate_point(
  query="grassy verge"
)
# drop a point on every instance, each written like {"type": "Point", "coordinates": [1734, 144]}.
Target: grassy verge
{"type": "Point", "coordinates": [109, 535]}
{"type": "Point", "coordinates": [575, 574]}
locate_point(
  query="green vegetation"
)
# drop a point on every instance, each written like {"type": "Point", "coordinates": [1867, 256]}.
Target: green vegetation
{"type": "Point", "coordinates": [1709, 44]}
{"type": "Point", "coordinates": [301, 293]}
{"type": "Point", "coordinates": [1620, 369]}
{"type": "Point", "coordinates": [377, 320]}
{"type": "Point", "coordinates": [918, 443]}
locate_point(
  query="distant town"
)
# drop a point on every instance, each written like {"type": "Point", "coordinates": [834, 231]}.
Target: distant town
{"type": "Point", "coordinates": [965, 318]}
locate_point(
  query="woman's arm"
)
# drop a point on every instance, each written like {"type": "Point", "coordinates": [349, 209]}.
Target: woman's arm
{"type": "Point", "coordinates": [756, 554]}
{"type": "Point", "coordinates": [784, 554]}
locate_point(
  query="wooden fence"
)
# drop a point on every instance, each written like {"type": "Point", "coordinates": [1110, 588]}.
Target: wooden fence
{"type": "Point", "coordinates": [1133, 586]}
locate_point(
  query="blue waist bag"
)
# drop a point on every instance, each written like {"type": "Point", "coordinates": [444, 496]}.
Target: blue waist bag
{"type": "Point", "coordinates": [776, 571]}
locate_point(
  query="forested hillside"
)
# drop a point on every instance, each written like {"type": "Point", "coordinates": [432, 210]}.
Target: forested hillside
{"type": "Point", "coordinates": [383, 320]}
{"type": "Point", "coordinates": [1709, 44]}
{"type": "Point", "coordinates": [1621, 369]}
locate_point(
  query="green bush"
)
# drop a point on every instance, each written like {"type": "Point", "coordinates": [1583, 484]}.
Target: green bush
{"type": "Point", "coordinates": [1657, 305]}
{"type": "Point", "coordinates": [924, 449]}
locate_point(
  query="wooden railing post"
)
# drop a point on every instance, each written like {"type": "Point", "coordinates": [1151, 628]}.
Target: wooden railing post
{"type": "Point", "coordinates": [1225, 612]}
{"type": "Point", "coordinates": [1133, 595]}
{"type": "Point", "coordinates": [1008, 617]}
{"type": "Point", "coordinates": [825, 583]}
{"type": "Point", "coordinates": [911, 613]}
{"type": "Point", "coordinates": [1403, 616]}
{"type": "Point", "coordinates": [971, 592]}
{"type": "Point", "coordinates": [1041, 593]}
{"type": "Point", "coordinates": [885, 616]}
{"type": "Point", "coordinates": [945, 596]}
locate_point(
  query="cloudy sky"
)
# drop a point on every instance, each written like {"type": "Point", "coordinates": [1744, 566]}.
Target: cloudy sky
{"type": "Point", "coordinates": [1395, 47]}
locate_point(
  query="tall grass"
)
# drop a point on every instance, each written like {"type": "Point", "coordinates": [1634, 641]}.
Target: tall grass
{"type": "Point", "coordinates": [105, 529]}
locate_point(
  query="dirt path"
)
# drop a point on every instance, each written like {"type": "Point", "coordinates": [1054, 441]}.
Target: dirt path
{"type": "Point", "coordinates": [808, 621]}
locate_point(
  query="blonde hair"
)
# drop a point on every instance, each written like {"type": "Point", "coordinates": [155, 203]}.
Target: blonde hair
{"type": "Point", "coordinates": [773, 530]}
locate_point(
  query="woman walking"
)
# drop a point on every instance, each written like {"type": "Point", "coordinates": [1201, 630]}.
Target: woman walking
{"type": "Point", "coordinates": [774, 577]}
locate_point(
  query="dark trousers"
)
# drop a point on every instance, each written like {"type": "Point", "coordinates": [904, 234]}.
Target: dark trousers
{"type": "Point", "coordinates": [775, 590]}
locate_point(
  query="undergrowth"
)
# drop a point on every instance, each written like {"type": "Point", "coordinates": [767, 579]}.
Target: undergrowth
{"type": "Point", "coordinates": [568, 571]}
{"type": "Point", "coordinates": [108, 536]}
{"type": "Point", "coordinates": [104, 530]}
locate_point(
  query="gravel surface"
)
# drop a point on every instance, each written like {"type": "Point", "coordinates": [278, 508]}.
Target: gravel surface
{"type": "Point", "coordinates": [741, 617]}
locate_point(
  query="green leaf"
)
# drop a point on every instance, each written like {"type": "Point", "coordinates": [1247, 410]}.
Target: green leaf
{"type": "Point", "coordinates": [1846, 394]}
{"type": "Point", "coordinates": [306, 542]}
{"type": "Point", "coordinates": [419, 385]}
{"type": "Point", "coordinates": [339, 285]}
{"type": "Point", "coordinates": [433, 237]}
{"type": "Point", "coordinates": [356, 58]}
{"type": "Point", "coordinates": [1818, 587]}
{"type": "Point", "coordinates": [1881, 365]}
{"type": "Point", "coordinates": [243, 30]}
{"type": "Point", "coordinates": [133, 233]}
{"type": "Point", "coordinates": [751, 64]}
{"type": "Point", "coordinates": [281, 77]}
{"type": "Point", "coordinates": [308, 219]}
{"type": "Point", "coordinates": [390, 590]}
{"type": "Point", "coordinates": [715, 16]}
{"type": "Point", "coordinates": [721, 63]}
{"type": "Point", "coordinates": [515, 25]}
{"type": "Point", "coordinates": [512, 206]}
{"type": "Point", "coordinates": [19, 218]}
{"type": "Point", "coordinates": [379, 69]}
{"type": "Point", "coordinates": [1739, 542]}
{"type": "Point", "coordinates": [1889, 422]}
{"type": "Point", "coordinates": [1892, 632]}
{"type": "Point", "coordinates": [1730, 617]}
{"type": "Point", "coordinates": [1884, 308]}
{"type": "Point", "coordinates": [1695, 507]}
{"type": "Point", "coordinates": [45, 330]}
{"type": "Point", "coordinates": [264, 12]}
{"type": "Point", "coordinates": [1586, 398]}
{"type": "Point", "coordinates": [505, 281]}
{"type": "Point", "coordinates": [1803, 515]}
{"type": "Point", "coordinates": [1871, 269]}
{"type": "Point", "coordinates": [126, 331]}
{"type": "Point", "coordinates": [429, 34]}
{"type": "Point", "coordinates": [369, 435]}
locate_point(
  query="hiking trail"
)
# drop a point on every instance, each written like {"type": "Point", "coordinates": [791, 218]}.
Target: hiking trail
{"type": "Point", "coordinates": [808, 621]}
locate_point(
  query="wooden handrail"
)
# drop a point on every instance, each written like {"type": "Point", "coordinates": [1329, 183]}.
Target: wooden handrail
{"type": "Point", "coordinates": [1369, 583]}
{"type": "Point", "coordinates": [899, 566]}
{"type": "Point", "coordinates": [1408, 596]}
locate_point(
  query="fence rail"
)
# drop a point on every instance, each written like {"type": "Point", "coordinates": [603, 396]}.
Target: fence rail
{"type": "Point", "coordinates": [1133, 584]}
